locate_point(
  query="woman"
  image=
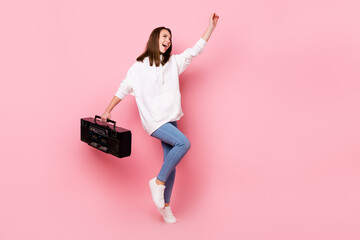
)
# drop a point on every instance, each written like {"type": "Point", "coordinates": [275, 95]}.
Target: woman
{"type": "Point", "coordinates": [154, 81]}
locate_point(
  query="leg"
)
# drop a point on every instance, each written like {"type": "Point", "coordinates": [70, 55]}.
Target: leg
{"type": "Point", "coordinates": [171, 179]}
{"type": "Point", "coordinates": [169, 134]}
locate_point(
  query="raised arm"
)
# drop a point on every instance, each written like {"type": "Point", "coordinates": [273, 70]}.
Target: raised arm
{"type": "Point", "coordinates": [184, 59]}
{"type": "Point", "coordinates": [212, 24]}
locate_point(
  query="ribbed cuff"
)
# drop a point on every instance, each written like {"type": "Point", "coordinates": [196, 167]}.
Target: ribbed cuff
{"type": "Point", "coordinates": [120, 95]}
{"type": "Point", "coordinates": [201, 42]}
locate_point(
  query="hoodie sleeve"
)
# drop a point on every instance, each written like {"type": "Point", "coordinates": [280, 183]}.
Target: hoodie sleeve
{"type": "Point", "coordinates": [125, 86]}
{"type": "Point", "coordinates": [184, 59]}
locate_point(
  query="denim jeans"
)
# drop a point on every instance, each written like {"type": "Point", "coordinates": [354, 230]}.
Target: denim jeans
{"type": "Point", "coordinates": [175, 145]}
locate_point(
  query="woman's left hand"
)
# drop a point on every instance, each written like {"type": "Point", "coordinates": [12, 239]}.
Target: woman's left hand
{"type": "Point", "coordinates": [213, 20]}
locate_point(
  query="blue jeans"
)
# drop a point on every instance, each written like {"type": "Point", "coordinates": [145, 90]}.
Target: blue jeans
{"type": "Point", "coordinates": [175, 145]}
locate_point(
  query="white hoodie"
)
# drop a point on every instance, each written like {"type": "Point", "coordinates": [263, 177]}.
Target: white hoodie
{"type": "Point", "coordinates": [156, 89]}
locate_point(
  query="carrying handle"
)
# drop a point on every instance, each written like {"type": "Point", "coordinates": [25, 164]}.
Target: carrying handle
{"type": "Point", "coordinates": [108, 120]}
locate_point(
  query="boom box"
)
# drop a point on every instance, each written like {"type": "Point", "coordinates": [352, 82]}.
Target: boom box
{"type": "Point", "coordinates": [113, 140]}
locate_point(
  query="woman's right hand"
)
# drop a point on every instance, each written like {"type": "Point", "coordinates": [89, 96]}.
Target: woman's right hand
{"type": "Point", "coordinates": [105, 116]}
{"type": "Point", "coordinates": [213, 20]}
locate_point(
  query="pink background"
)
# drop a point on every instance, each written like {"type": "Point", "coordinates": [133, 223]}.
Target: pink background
{"type": "Point", "coordinates": [271, 109]}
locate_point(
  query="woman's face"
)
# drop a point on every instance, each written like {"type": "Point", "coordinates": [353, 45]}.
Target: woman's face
{"type": "Point", "coordinates": [164, 40]}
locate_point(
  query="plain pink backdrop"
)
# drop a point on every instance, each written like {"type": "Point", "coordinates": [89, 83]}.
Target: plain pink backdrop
{"type": "Point", "coordinates": [271, 109]}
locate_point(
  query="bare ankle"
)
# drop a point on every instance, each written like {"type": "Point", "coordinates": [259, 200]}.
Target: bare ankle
{"type": "Point", "coordinates": [158, 182]}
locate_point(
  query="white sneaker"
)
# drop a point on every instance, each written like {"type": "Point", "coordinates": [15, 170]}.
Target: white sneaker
{"type": "Point", "coordinates": [167, 214]}
{"type": "Point", "coordinates": [157, 192]}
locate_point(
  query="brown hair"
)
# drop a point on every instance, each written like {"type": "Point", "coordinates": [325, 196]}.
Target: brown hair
{"type": "Point", "coordinates": [152, 48]}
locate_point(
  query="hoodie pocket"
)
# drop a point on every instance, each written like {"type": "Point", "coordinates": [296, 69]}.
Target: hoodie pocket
{"type": "Point", "coordinates": [166, 105]}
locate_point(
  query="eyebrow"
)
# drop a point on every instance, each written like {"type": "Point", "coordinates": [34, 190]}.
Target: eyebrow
{"type": "Point", "coordinates": [165, 34]}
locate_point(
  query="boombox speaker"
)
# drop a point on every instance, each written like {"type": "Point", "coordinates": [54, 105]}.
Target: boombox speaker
{"type": "Point", "coordinates": [113, 140]}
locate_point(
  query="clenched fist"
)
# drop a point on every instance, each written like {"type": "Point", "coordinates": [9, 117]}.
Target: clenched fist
{"type": "Point", "coordinates": [105, 116]}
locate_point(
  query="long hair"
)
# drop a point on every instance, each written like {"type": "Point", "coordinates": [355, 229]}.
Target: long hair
{"type": "Point", "coordinates": [152, 49]}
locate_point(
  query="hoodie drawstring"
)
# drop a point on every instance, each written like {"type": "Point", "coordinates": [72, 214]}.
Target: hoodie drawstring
{"type": "Point", "coordinates": [159, 72]}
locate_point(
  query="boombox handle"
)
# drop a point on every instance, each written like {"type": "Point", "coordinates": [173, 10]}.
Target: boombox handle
{"type": "Point", "coordinates": [108, 120]}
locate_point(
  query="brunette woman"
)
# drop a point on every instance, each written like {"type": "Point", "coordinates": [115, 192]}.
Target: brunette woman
{"type": "Point", "coordinates": [154, 81]}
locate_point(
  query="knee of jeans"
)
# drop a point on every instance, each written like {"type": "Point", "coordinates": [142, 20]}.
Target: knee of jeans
{"type": "Point", "coordinates": [187, 144]}
{"type": "Point", "coordinates": [184, 144]}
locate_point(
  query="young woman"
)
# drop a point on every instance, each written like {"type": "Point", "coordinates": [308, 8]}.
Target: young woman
{"type": "Point", "coordinates": [154, 81]}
